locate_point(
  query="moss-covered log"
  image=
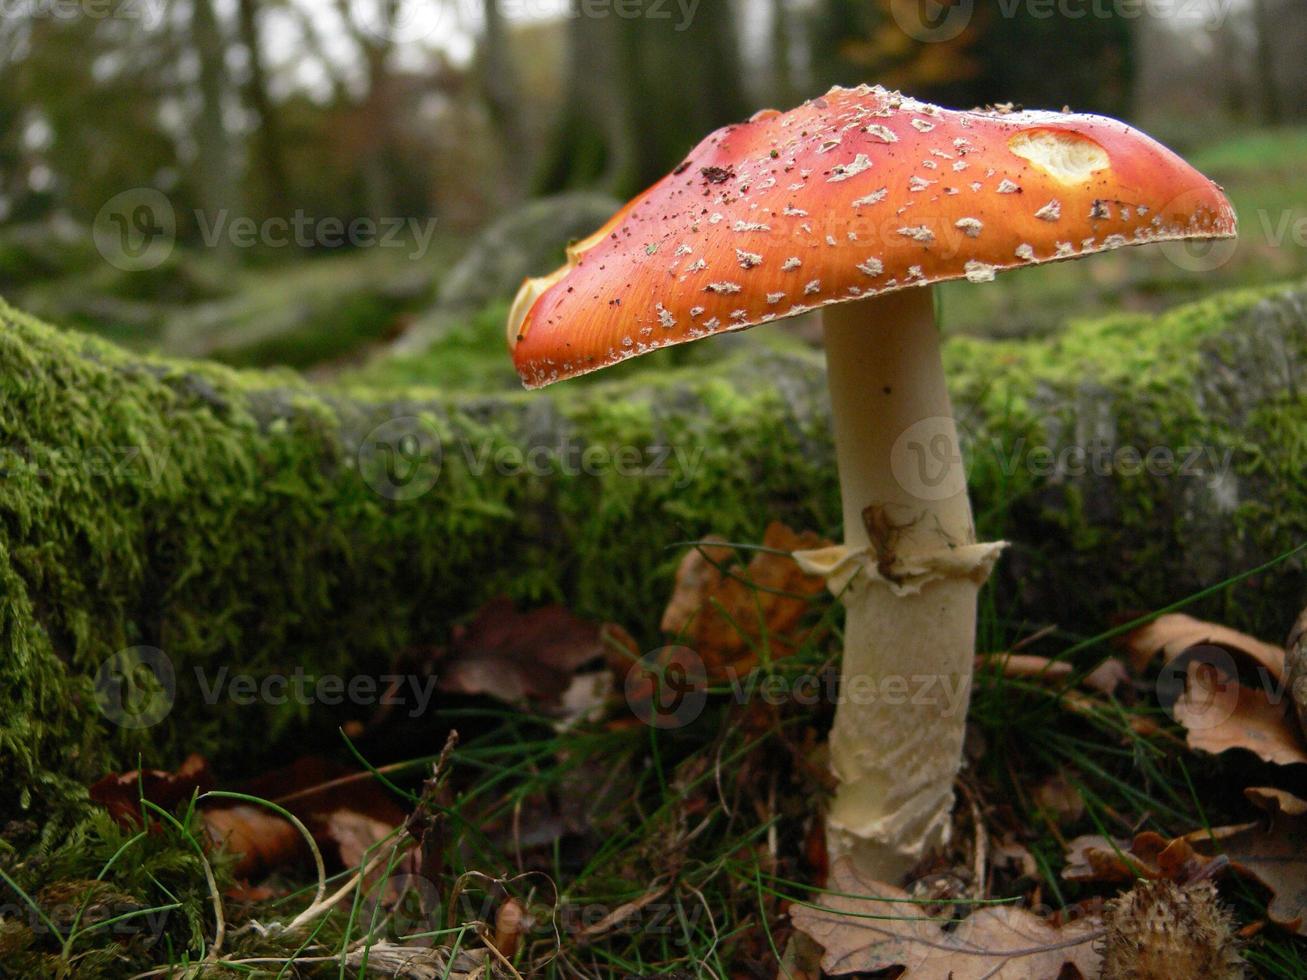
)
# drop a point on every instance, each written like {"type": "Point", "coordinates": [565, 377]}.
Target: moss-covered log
{"type": "Point", "coordinates": [252, 521]}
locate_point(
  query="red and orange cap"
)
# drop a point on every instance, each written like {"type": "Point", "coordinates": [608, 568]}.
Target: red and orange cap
{"type": "Point", "coordinates": [854, 194]}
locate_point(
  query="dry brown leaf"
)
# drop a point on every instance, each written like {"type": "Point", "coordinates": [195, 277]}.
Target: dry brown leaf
{"type": "Point", "coordinates": [516, 656]}
{"type": "Point", "coordinates": [1274, 851]}
{"type": "Point", "coordinates": [1149, 855]}
{"type": "Point", "coordinates": [1024, 666]}
{"type": "Point", "coordinates": [354, 834]}
{"type": "Point", "coordinates": [1105, 678]}
{"type": "Point", "coordinates": [1060, 797]}
{"type": "Point", "coordinates": [345, 814]}
{"type": "Point", "coordinates": [1220, 714]}
{"type": "Point", "coordinates": [120, 793]}
{"type": "Point", "coordinates": [723, 616]}
{"type": "Point", "coordinates": [997, 942]}
{"type": "Point", "coordinates": [801, 959]}
{"type": "Point", "coordinates": [1012, 855]}
{"type": "Point", "coordinates": [1176, 634]}
{"type": "Point", "coordinates": [261, 840]}
{"type": "Point", "coordinates": [1296, 668]}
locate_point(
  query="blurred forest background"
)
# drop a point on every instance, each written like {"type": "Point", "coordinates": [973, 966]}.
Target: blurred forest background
{"type": "Point", "coordinates": [466, 119]}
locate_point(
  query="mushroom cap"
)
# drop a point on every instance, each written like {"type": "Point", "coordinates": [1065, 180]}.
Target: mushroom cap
{"type": "Point", "coordinates": [854, 194]}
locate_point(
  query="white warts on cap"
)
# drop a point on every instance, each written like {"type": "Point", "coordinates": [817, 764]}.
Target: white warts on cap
{"type": "Point", "coordinates": [919, 233]}
{"type": "Point", "coordinates": [971, 227]}
{"type": "Point", "coordinates": [1008, 187]}
{"type": "Point", "coordinates": [723, 287]}
{"type": "Point", "coordinates": [1052, 211]}
{"type": "Point", "coordinates": [873, 198]}
{"type": "Point", "coordinates": [748, 260]}
{"type": "Point", "coordinates": [861, 163]}
{"type": "Point", "coordinates": [1067, 157]}
{"type": "Point", "coordinates": [1026, 252]}
{"type": "Point", "coordinates": [791, 264]}
{"type": "Point", "coordinates": [872, 267]}
{"type": "Point", "coordinates": [980, 271]}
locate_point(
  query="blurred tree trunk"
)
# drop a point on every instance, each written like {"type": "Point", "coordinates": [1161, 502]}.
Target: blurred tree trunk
{"type": "Point", "coordinates": [268, 137]}
{"type": "Point", "coordinates": [832, 24]}
{"type": "Point", "coordinates": [592, 143]}
{"type": "Point", "coordinates": [683, 81]}
{"type": "Point", "coordinates": [502, 94]}
{"type": "Point", "coordinates": [1264, 58]}
{"type": "Point", "coordinates": [782, 56]}
{"type": "Point", "coordinates": [378, 188]}
{"type": "Point", "coordinates": [642, 91]}
{"type": "Point", "coordinates": [216, 161]}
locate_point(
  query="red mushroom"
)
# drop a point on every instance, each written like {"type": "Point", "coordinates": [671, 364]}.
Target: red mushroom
{"type": "Point", "coordinates": [850, 203]}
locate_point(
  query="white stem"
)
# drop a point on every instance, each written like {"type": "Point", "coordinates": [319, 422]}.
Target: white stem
{"type": "Point", "coordinates": [911, 611]}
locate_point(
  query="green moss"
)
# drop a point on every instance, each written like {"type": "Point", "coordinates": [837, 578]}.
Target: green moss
{"type": "Point", "coordinates": [229, 518]}
{"type": "Point", "coordinates": [1210, 388]}
{"type": "Point", "coordinates": [222, 517]}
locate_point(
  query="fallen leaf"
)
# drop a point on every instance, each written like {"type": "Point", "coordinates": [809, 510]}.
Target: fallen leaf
{"type": "Point", "coordinates": [1176, 634]}
{"type": "Point", "coordinates": [883, 929]}
{"type": "Point", "coordinates": [261, 840]}
{"type": "Point", "coordinates": [1220, 714]}
{"type": "Point", "coordinates": [801, 959]}
{"type": "Point", "coordinates": [1024, 666]}
{"type": "Point", "coordinates": [354, 834]}
{"type": "Point", "coordinates": [344, 810]}
{"type": "Point", "coordinates": [517, 656]}
{"type": "Point", "coordinates": [511, 923]}
{"type": "Point", "coordinates": [723, 611]}
{"type": "Point", "coordinates": [1296, 668]}
{"type": "Point", "coordinates": [1106, 678]}
{"type": "Point", "coordinates": [121, 793]}
{"type": "Point", "coordinates": [1060, 797]}
{"type": "Point", "coordinates": [1149, 855]}
{"type": "Point", "coordinates": [1012, 855]}
{"type": "Point", "coordinates": [1274, 852]}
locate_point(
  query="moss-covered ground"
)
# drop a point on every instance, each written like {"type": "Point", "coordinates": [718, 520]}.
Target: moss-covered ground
{"type": "Point", "coordinates": [241, 520]}
{"type": "Point", "coordinates": [250, 520]}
